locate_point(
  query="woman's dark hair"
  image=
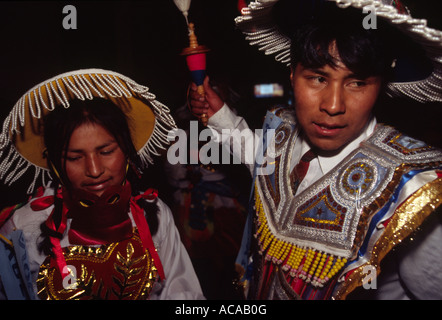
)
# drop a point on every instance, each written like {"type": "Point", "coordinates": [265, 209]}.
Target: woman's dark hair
{"type": "Point", "coordinates": [59, 125]}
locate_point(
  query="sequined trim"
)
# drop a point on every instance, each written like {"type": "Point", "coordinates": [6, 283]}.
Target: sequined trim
{"type": "Point", "coordinates": [407, 218]}
{"type": "Point", "coordinates": [313, 234]}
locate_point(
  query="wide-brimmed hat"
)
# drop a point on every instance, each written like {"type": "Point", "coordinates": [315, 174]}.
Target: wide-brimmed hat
{"type": "Point", "coordinates": [261, 23]}
{"type": "Point", "coordinates": [21, 140]}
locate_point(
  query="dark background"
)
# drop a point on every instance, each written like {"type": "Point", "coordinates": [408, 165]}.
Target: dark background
{"type": "Point", "coordinates": [143, 39]}
{"type": "Point", "coordinates": [140, 39]}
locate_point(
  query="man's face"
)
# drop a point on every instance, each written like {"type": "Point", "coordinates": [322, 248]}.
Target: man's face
{"type": "Point", "coordinates": [332, 105]}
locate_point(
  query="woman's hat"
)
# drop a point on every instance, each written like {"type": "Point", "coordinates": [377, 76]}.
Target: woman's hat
{"type": "Point", "coordinates": [269, 25]}
{"type": "Point", "coordinates": [21, 140]}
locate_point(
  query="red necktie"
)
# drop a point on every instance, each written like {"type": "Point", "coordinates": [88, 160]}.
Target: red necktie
{"type": "Point", "coordinates": [300, 170]}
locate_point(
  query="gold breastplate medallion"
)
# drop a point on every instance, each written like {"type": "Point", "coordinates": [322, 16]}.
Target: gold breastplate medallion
{"type": "Point", "coordinates": [119, 271]}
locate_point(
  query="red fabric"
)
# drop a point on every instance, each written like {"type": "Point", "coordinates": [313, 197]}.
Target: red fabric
{"type": "Point", "coordinates": [196, 61]}
{"type": "Point", "coordinates": [300, 170]}
{"type": "Point", "coordinates": [99, 220]}
{"type": "Point", "coordinates": [143, 227]}
{"type": "Point", "coordinates": [5, 214]}
{"type": "Point", "coordinates": [58, 259]}
{"type": "Point", "coordinates": [241, 5]}
{"type": "Point", "coordinates": [42, 203]}
{"type": "Point", "coordinates": [106, 235]}
{"type": "Point", "coordinates": [39, 204]}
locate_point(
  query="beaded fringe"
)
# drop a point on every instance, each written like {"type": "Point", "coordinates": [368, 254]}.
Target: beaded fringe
{"type": "Point", "coordinates": [13, 166]}
{"type": "Point", "coordinates": [309, 264]}
{"type": "Point", "coordinates": [257, 24]}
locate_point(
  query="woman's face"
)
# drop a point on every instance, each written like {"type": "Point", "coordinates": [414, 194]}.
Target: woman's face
{"type": "Point", "coordinates": [94, 160]}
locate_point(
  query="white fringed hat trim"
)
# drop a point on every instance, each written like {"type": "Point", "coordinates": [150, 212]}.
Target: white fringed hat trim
{"type": "Point", "coordinates": [260, 30]}
{"type": "Point", "coordinates": [58, 91]}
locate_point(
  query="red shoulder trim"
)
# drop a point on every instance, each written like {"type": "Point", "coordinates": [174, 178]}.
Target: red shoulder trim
{"type": "Point", "coordinates": [6, 213]}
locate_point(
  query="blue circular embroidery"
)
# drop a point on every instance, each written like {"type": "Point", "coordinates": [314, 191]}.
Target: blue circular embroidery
{"type": "Point", "coordinates": [358, 178]}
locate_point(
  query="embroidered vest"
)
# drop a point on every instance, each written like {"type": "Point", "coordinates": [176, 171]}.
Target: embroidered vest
{"type": "Point", "coordinates": [107, 261]}
{"type": "Point", "coordinates": [122, 270]}
{"type": "Point", "coordinates": [315, 245]}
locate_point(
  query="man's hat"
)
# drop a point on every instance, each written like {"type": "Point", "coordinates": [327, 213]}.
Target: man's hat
{"type": "Point", "coordinates": [21, 140]}
{"type": "Point", "coordinates": [418, 65]}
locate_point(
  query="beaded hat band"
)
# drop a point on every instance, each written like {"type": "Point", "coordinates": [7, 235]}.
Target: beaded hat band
{"type": "Point", "coordinates": [258, 24]}
{"type": "Point", "coordinates": [21, 139]}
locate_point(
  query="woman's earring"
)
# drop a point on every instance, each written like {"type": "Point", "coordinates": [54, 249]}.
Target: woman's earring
{"type": "Point", "coordinates": [134, 168]}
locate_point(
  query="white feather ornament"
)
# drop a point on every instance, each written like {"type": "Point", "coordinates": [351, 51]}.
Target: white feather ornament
{"type": "Point", "coordinates": [183, 6]}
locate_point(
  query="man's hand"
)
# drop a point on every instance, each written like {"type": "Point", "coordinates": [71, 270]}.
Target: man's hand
{"type": "Point", "coordinates": [209, 104]}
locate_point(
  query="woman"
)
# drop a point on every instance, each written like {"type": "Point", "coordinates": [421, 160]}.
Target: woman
{"type": "Point", "coordinates": [95, 233]}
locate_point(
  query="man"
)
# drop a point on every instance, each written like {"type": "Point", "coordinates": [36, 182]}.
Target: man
{"type": "Point", "coordinates": [350, 209]}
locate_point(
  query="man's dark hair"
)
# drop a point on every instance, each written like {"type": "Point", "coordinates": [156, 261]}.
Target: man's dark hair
{"type": "Point", "coordinates": [314, 25]}
{"type": "Point", "coordinates": [362, 51]}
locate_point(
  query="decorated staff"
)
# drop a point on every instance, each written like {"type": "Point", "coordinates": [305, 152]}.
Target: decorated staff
{"type": "Point", "coordinates": [195, 54]}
